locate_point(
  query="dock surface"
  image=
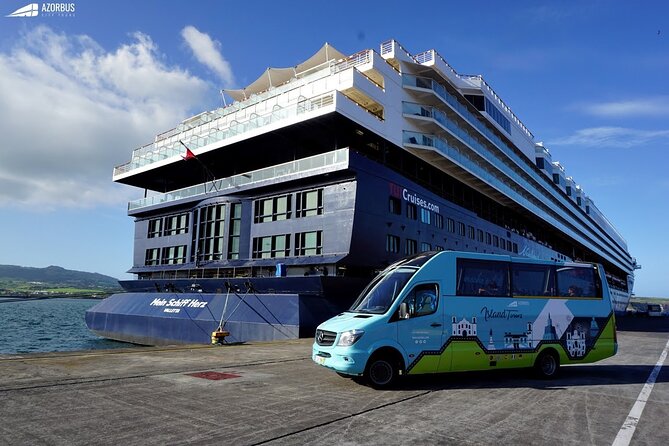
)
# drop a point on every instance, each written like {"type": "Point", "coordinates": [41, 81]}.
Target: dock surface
{"type": "Point", "coordinates": [272, 393]}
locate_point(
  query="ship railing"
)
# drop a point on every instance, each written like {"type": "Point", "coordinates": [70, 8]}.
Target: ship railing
{"type": "Point", "coordinates": [391, 46]}
{"type": "Point", "coordinates": [387, 47]}
{"type": "Point", "coordinates": [172, 147]}
{"type": "Point", "coordinates": [475, 167]}
{"type": "Point", "coordinates": [441, 92]}
{"type": "Point", "coordinates": [165, 140]}
{"type": "Point", "coordinates": [302, 167]}
{"type": "Point", "coordinates": [431, 56]}
{"type": "Point", "coordinates": [168, 144]}
{"type": "Point", "coordinates": [354, 60]}
{"type": "Point", "coordinates": [500, 102]}
{"type": "Point", "coordinates": [469, 163]}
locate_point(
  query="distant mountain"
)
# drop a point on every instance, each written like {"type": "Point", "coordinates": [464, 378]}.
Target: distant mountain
{"type": "Point", "coordinates": [55, 275]}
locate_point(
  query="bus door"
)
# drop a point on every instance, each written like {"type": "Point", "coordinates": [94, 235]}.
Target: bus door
{"type": "Point", "coordinates": [421, 325]}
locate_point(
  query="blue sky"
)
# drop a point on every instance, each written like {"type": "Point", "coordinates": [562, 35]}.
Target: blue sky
{"type": "Point", "coordinates": [79, 92]}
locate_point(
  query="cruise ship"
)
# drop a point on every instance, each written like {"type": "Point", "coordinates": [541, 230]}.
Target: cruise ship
{"type": "Point", "coordinates": [264, 217]}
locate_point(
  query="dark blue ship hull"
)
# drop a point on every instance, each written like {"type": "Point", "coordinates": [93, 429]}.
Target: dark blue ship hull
{"type": "Point", "coordinates": [162, 318]}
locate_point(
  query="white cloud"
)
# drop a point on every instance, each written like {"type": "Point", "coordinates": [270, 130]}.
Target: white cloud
{"type": "Point", "coordinates": [70, 111]}
{"type": "Point", "coordinates": [207, 52]}
{"type": "Point", "coordinates": [612, 137]}
{"type": "Point", "coordinates": [657, 106]}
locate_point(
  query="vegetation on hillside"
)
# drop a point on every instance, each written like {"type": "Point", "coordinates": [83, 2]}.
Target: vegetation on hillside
{"type": "Point", "coordinates": [53, 281]}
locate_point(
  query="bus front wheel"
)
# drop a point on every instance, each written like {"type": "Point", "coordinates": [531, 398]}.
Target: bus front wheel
{"type": "Point", "coordinates": [547, 364]}
{"type": "Point", "coordinates": [381, 372]}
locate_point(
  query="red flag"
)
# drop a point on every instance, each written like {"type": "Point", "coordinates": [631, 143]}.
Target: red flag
{"type": "Point", "coordinates": [189, 155]}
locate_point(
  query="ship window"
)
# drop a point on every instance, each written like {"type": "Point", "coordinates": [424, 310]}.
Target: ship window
{"type": "Point", "coordinates": [556, 178]}
{"type": "Point", "coordinates": [515, 248]}
{"type": "Point", "coordinates": [271, 246]}
{"type": "Point", "coordinates": [176, 224]}
{"type": "Point", "coordinates": [425, 216]}
{"type": "Point", "coordinates": [272, 209]}
{"type": "Point", "coordinates": [235, 230]}
{"type": "Point", "coordinates": [451, 225]}
{"type": "Point", "coordinates": [152, 257]}
{"type": "Point", "coordinates": [392, 243]}
{"type": "Point", "coordinates": [540, 163]}
{"type": "Point", "coordinates": [476, 101]}
{"type": "Point", "coordinates": [497, 115]}
{"type": "Point", "coordinates": [155, 227]}
{"type": "Point", "coordinates": [482, 278]}
{"type": "Point", "coordinates": [439, 221]}
{"type": "Point", "coordinates": [461, 228]}
{"type": "Point", "coordinates": [470, 232]}
{"type": "Point", "coordinates": [174, 255]}
{"type": "Point", "coordinates": [479, 235]}
{"type": "Point", "coordinates": [411, 247]}
{"type": "Point", "coordinates": [425, 247]}
{"type": "Point", "coordinates": [488, 238]}
{"type": "Point", "coordinates": [309, 243]}
{"type": "Point", "coordinates": [282, 207]}
{"type": "Point", "coordinates": [569, 191]}
{"type": "Point", "coordinates": [395, 206]}
{"type": "Point", "coordinates": [211, 232]}
{"type": "Point", "coordinates": [495, 241]}
{"type": "Point", "coordinates": [310, 203]}
{"type": "Point", "coordinates": [438, 248]}
{"type": "Point", "coordinates": [412, 211]}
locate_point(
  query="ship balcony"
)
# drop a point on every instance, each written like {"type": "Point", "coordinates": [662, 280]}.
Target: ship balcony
{"type": "Point", "coordinates": [171, 149]}
{"type": "Point", "coordinates": [394, 54]}
{"type": "Point", "coordinates": [425, 86]}
{"type": "Point", "coordinates": [301, 168]}
{"type": "Point", "coordinates": [257, 114]}
{"type": "Point", "coordinates": [458, 163]}
{"type": "Point", "coordinates": [493, 178]}
{"type": "Point", "coordinates": [433, 59]}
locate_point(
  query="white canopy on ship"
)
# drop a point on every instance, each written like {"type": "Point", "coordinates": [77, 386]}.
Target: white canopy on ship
{"type": "Point", "coordinates": [273, 77]}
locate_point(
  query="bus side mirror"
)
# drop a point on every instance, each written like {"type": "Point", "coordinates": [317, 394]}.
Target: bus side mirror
{"type": "Point", "coordinates": [404, 311]}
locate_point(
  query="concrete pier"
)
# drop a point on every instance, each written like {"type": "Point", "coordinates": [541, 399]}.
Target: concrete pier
{"type": "Point", "coordinates": [272, 393]}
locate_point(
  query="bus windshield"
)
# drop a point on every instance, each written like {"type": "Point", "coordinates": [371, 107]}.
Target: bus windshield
{"type": "Point", "coordinates": [382, 291]}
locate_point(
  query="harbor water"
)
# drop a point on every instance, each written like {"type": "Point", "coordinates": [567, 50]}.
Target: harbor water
{"type": "Point", "coordinates": [48, 325]}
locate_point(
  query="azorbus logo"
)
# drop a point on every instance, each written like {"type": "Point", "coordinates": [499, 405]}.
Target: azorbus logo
{"type": "Point", "coordinates": [31, 10]}
{"type": "Point", "coordinates": [47, 9]}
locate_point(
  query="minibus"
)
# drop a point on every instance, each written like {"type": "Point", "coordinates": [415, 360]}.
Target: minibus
{"type": "Point", "coordinates": [450, 311]}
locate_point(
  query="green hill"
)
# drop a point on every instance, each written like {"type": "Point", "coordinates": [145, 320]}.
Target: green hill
{"type": "Point", "coordinates": [53, 280]}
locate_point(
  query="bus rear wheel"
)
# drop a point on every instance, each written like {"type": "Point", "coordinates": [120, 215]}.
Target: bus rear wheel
{"type": "Point", "coordinates": [547, 364]}
{"type": "Point", "coordinates": [381, 372]}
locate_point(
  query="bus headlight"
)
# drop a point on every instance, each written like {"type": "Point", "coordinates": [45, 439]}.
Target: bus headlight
{"type": "Point", "coordinates": [350, 337]}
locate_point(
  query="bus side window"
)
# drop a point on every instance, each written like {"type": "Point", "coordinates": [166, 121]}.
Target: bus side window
{"type": "Point", "coordinates": [578, 281]}
{"type": "Point", "coordinates": [422, 300]}
{"type": "Point", "coordinates": [482, 278]}
{"type": "Point", "coordinates": [532, 279]}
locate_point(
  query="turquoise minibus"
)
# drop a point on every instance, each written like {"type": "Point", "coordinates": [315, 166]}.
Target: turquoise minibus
{"type": "Point", "coordinates": [453, 311]}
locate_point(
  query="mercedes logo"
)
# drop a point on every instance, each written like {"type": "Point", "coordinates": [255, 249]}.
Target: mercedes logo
{"type": "Point", "coordinates": [319, 336]}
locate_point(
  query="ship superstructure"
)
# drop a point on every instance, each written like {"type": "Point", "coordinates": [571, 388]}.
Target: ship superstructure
{"type": "Point", "coordinates": [318, 175]}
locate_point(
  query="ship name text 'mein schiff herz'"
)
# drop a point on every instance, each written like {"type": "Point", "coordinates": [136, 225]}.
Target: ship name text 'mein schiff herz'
{"type": "Point", "coordinates": [268, 215]}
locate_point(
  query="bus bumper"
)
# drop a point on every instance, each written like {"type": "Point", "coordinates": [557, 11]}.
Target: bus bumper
{"type": "Point", "coordinates": [343, 360]}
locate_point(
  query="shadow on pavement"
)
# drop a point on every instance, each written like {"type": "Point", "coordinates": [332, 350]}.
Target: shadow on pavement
{"type": "Point", "coordinates": [643, 323]}
{"type": "Point", "coordinates": [569, 376]}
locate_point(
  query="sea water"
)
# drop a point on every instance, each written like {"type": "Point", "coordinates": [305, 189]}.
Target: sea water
{"type": "Point", "coordinates": [48, 325]}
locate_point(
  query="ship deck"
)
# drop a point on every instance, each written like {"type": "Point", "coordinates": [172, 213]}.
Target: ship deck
{"type": "Point", "coordinates": [273, 393]}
